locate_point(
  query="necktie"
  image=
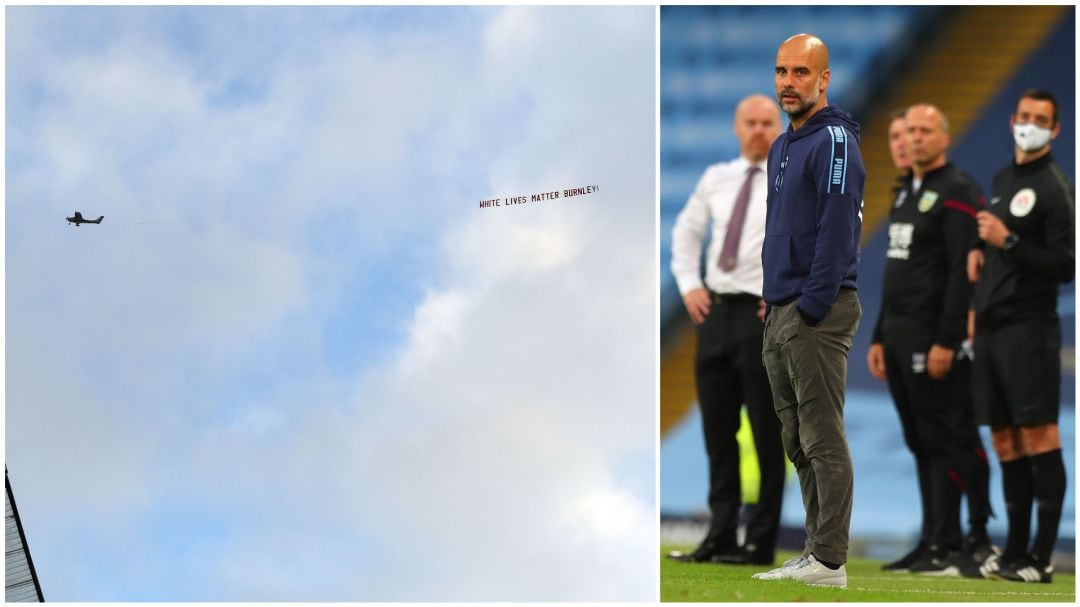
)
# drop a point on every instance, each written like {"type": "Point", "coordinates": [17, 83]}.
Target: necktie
{"type": "Point", "coordinates": [730, 251]}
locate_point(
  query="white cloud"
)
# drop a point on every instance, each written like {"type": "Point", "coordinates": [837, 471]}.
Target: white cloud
{"type": "Point", "coordinates": [436, 323]}
{"type": "Point", "coordinates": [514, 428]}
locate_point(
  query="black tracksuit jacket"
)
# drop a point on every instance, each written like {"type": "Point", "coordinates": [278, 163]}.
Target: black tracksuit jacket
{"type": "Point", "coordinates": [1036, 202]}
{"type": "Point", "coordinates": [930, 234]}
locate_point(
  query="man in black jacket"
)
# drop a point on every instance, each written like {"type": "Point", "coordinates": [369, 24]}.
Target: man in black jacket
{"type": "Point", "coordinates": [918, 344]}
{"type": "Point", "coordinates": [1026, 250]}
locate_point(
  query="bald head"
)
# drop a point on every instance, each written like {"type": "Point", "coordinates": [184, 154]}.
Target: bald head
{"type": "Point", "coordinates": [757, 125]}
{"type": "Point", "coordinates": [809, 46]}
{"type": "Point", "coordinates": [929, 112]}
{"type": "Point", "coordinates": [802, 77]}
{"type": "Point", "coordinates": [927, 132]}
{"type": "Point", "coordinates": [754, 102]}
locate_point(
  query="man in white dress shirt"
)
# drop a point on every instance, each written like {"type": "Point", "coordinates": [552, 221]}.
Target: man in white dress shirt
{"type": "Point", "coordinates": [726, 309]}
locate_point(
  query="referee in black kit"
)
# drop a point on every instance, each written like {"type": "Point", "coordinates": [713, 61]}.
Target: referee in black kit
{"type": "Point", "coordinates": [1026, 249]}
{"type": "Point", "coordinates": [918, 345]}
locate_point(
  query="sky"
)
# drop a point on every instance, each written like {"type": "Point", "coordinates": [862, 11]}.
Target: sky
{"type": "Point", "coordinates": [297, 361]}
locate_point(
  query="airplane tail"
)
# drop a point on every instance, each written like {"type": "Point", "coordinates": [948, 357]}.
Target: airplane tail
{"type": "Point", "coordinates": [98, 220]}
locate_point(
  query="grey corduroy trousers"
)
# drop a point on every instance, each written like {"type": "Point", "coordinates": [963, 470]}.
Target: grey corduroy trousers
{"type": "Point", "coordinates": [807, 369]}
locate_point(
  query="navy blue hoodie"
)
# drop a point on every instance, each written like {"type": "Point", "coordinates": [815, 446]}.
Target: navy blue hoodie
{"type": "Point", "coordinates": [814, 215]}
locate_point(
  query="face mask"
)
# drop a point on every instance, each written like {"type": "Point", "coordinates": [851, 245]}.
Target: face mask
{"type": "Point", "coordinates": [1030, 137]}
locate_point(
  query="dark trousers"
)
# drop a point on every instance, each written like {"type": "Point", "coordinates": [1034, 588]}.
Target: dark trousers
{"type": "Point", "coordinates": [729, 373]}
{"type": "Point", "coordinates": [937, 417]}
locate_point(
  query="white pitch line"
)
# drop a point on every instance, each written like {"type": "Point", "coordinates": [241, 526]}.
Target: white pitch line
{"type": "Point", "coordinates": [969, 592]}
{"type": "Point", "coordinates": [899, 577]}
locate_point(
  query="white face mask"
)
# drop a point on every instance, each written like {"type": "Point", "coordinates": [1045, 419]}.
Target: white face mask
{"type": "Point", "coordinates": [1030, 137]}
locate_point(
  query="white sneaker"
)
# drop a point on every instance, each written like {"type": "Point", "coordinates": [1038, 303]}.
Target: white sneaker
{"type": "Point", "coordinates": [816, 574]}
{"type": "Point", "coordinates": [990, 566]}
{"type": "Point", "coordinates": [784, 571]}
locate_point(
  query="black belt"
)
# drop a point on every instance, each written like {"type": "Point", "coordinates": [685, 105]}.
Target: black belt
{"type": "Point", "coordinates": [734, 298]}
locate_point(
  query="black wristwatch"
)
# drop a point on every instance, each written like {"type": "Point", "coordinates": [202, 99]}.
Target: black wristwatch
{"type": "Point", "coordinates": [1010, 242]}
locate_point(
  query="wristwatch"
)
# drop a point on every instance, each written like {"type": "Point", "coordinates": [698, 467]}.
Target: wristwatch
{"type": "Point", "coordinates": [1010, 242]}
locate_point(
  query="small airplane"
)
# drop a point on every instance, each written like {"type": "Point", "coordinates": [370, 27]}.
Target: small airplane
{"type": "Point", "coordinates": [78, 219]}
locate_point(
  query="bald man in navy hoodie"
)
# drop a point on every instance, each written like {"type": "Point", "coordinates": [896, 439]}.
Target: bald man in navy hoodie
{"type": "Point", "coordinates": [810, 256]}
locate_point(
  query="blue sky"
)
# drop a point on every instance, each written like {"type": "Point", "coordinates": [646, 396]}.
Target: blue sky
{"type": "Point", "coordinates": [296, 350]}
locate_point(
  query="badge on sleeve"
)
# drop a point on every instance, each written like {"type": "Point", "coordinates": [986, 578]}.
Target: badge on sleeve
{"type": "Point", "coordinates": [1022, 202]}
{"type": "Point", "coordinates": [927, 201]}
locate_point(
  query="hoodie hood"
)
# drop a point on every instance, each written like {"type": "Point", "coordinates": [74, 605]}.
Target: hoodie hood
{"type": "Point", "coordinates": [826, 116]}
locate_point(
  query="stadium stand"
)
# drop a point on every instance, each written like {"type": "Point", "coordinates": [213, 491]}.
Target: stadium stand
{"type": "Point", "coordinates": [20, 579]}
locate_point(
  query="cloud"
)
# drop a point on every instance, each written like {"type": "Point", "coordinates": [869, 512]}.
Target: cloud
{"type": "Point", "coordinates": [173, 386]}
{"type": "Point", "coordinates": [437, 322]}
{"type": "Point", "coordinates": [511, 406]}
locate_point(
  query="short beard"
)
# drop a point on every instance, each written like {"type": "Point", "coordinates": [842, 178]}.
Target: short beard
{"type": "Point", "coordinates": [799, 112]}
{"type": "Point", "coordinates": [803, 108]}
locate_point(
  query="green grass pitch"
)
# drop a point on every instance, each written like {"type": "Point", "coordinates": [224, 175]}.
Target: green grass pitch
{"type": "Point", "coordinates": [692, 582]}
